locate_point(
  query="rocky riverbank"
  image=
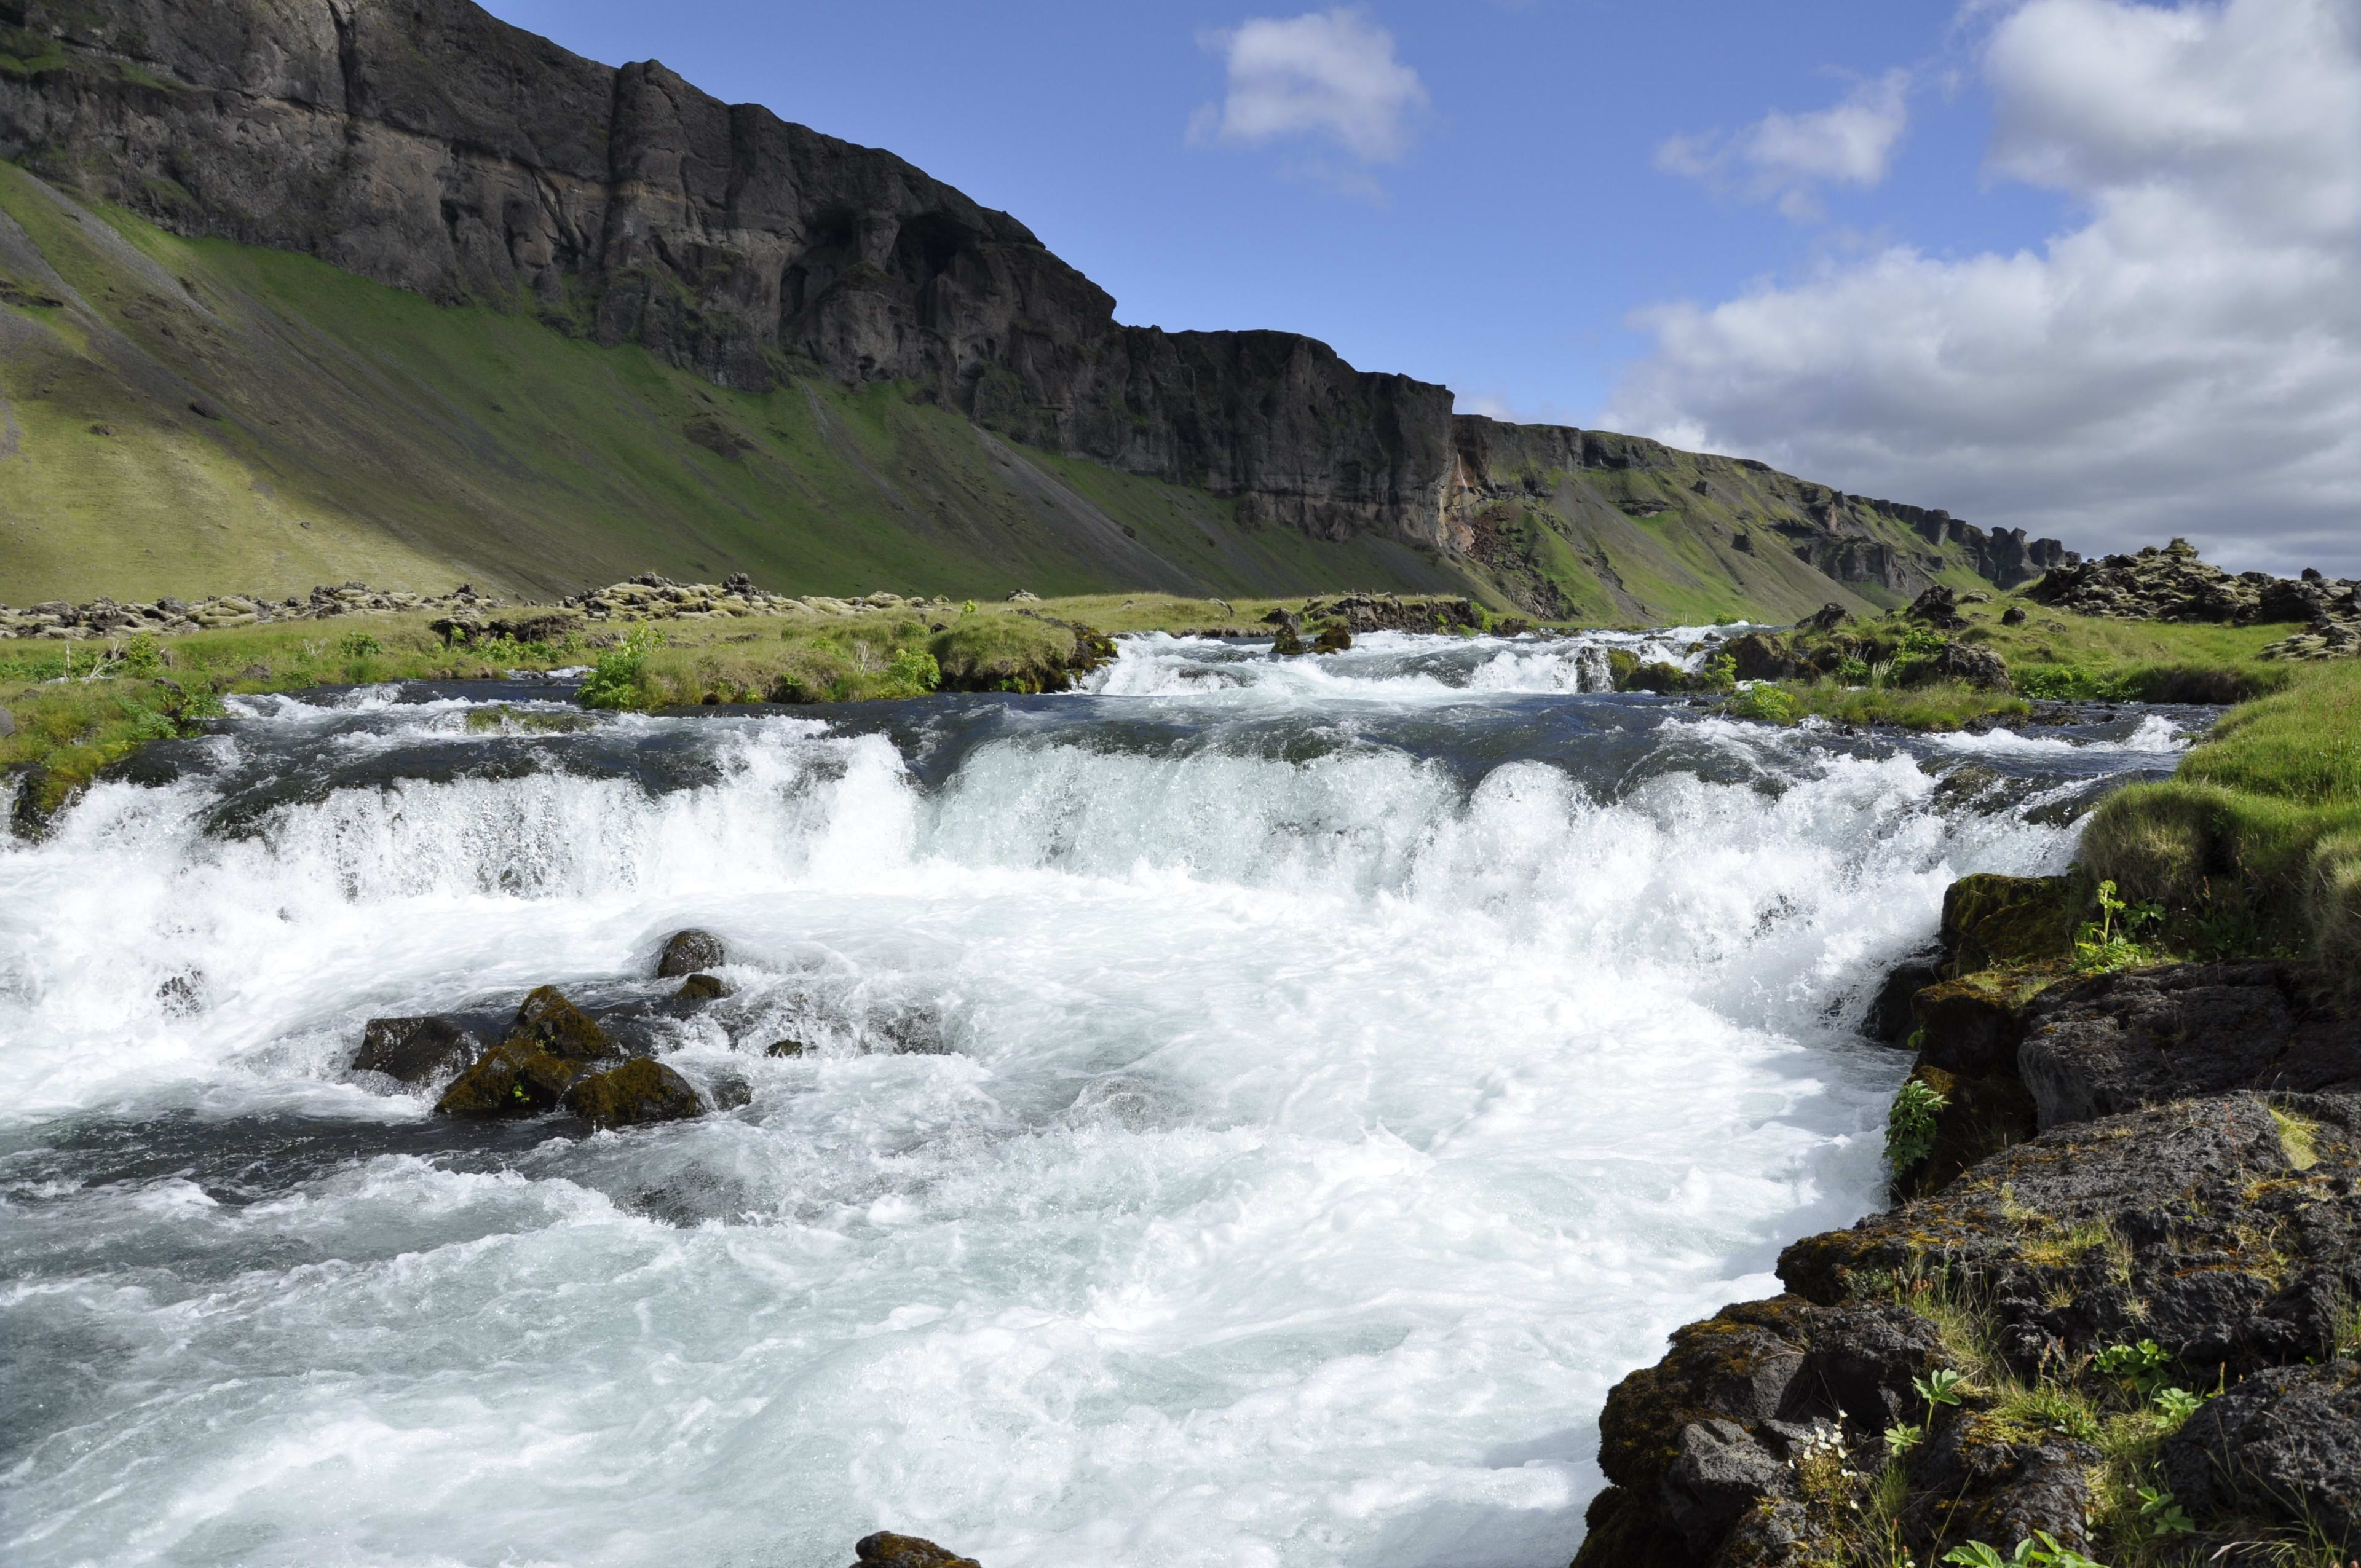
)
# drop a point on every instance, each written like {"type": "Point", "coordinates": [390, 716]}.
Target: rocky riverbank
{"type": "Point", "coordinates": [2116, 1311]}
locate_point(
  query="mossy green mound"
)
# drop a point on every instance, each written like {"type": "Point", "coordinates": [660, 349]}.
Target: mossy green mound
{"type": "Point", "coordinates": [640, 1090]}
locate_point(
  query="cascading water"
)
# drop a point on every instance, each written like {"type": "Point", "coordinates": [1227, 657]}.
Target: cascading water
{"type": "Point", "coordinates": [1252, 1112]}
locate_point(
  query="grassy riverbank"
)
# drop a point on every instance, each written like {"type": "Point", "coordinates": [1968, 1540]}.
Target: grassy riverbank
{"type": "Point", "coordinates": [2260, 833]}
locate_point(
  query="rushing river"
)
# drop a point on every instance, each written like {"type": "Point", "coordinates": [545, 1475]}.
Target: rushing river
{"type": "Point", "coordinates": [1256, 1109]}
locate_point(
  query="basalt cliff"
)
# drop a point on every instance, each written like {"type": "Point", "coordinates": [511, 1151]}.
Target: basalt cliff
{"type": "Point", "coordinates": [428, 147]}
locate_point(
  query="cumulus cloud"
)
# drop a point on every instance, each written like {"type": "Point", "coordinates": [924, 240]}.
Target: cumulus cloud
{"type": "Point", "coordinates": [1787, 157]}
{"type": "Point", "coordinates": [1328, 77]}
{"type": "Point", "coordinates": [2186, 359]}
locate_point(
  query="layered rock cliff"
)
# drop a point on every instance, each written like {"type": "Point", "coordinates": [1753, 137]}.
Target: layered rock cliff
{"type": "Point", "coordinates": [427, 146]}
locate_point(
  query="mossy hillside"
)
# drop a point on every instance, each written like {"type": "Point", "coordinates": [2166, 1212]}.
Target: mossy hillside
{"type": "Point", "coordinates": [353, 430]}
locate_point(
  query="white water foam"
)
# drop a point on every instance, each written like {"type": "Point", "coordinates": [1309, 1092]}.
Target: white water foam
{"type": "Point", "coordinates": [1205, 1157]}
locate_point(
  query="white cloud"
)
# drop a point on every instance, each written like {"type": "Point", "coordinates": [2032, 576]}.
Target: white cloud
{"type": "Point", "coordinates": [2188, 360]}
{"type": "Point", "coordinates": [1786, 158]}
{"type": "Point", "coordinates": [1327, 76]}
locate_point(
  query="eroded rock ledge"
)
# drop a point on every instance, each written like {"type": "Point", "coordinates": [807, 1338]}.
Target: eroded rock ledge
{"type": "Point", "coordinates": [2128, 1257]}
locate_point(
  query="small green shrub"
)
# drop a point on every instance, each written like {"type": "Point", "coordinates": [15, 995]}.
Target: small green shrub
{"type": "Point", "coordinates": [617, 675]}
{"type": "Point", "coordinates": [359, 645]}
{"type": "Point", "coordinates": [143, 657]}
{"type": "Point", "coordinates": [1765, 703]}
{"type": "Point", "coordinates": [913, 672]}
{"type": "Point", "coordinates": [1910, 1126]}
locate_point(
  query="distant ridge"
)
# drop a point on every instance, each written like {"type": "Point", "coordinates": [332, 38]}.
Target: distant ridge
{"type": "Point", "coordinates": [850, 375]}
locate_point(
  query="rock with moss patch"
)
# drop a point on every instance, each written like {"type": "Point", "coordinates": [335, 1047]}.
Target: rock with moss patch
{"type": "Point", "coordinates": [689, 951]}
{"type": "Point", "coordinates": [701, 988]}
{"type": "Point", "coordinates": [1990, 1480]}
{"type": "Point", "coordinates": [2224, 1229]}
{"type": "Point", "coordinates": [546, 1021]}
{"type": "Point", "coordinates": [1332, 639]}
{"type": "Point", "coordinates": [511, 1079]}
{"type": "Point", "coordinates": [1966, 1029]}
{"type": "Point", "coordinates": [1992, 922]}
{"type": "Point", "coordinates": [887, 1549]}
{"type": "Point", "coordinates": [640, 1090]}
{"type": "Point", "coordinates": [786, 1048]}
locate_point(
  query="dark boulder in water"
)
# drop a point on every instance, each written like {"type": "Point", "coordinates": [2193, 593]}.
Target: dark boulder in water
{"type": "Point", "coordinates": [640, 1090]}
{"type": "Point", "coordinates": [548, 1022]}
{"type": "Point", "coordinates": [785, 1049]}
{"type": "Point", "coordinates": [1332, 639]}
{"type": "Point", "coordinates": [414, 1050]}
{"type": "Point", "coordinates": [700, 988]}
{"type": "Point", "coordinates": [687, 952]}
{"type": "Point", "coordinates": [887, 1549]}
{"type": "Point", "coordinates": [513, 1079]}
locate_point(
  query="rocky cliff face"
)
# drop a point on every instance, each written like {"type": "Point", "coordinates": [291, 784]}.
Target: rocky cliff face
{"type": "Point", "coordinates": [428, 146]}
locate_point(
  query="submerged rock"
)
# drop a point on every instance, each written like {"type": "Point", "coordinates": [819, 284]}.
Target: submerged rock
{"type": "Point", "coordinates": [640, 1090]}
{"type": "Point", "coordinates": [1332, 639]}
{"type": "Point", "coordinates": [414, 1050]}
{"type": "Point", "coordinates": [701, 988]}
{"type": "Point", "coordinates": [785, 1049]}
{"type": "Point", "coordinates": [688, 952]}
{"type": "Point", "coordinates": [887, 1549]}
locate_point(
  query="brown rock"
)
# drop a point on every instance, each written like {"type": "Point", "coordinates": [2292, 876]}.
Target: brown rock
{"type": "Point", "coordinates": [700, 988]}
{"type": "Point", "coordinates": [512, 1078]}
{"type": "Point", "coordinates": [885, 1550]}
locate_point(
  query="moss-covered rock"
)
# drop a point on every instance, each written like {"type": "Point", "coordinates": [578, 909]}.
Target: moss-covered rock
{"type": "Point", "coordinates": [1332, 639]}
{"type": "Point", "coordinates": [640, 1090]}
{"type": "Point", "coordinates": [701, 988]}
{"type": "Point", "coordinates": [2224, 1229]}
{"type": "Point", "coordinates": [1968, 1029]}
{"type": "Point", "coordinates": [550, 1023]}
{"type": "Point", "coordinates": [1995, 922]}
{"type": "Point", "coordinates": [1977, 1117]}
{"type": "Point", "coordinates": [513, 1079]}
{"type": "Point", "coordinates": [887, 1549]}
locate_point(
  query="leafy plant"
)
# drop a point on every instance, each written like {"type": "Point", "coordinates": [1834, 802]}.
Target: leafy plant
{"type": "Point", "coordinates": [2102, 944]}
{"type": "Point", "coordinates": [1852, 672]}
{"type": "Point", "coordinates": [2164, 1516]}
{"type": "Point", "coordinates": [2142, 1364]}
{"type": "Point", "coordinates": [143, 657]}
{"type": "Point", "coordinates": [913, 672]}
{"type": "Point", "coordinates": [1941, 1387]}
{"type": "Point", "coordinates": [1910, 1126]}
{"type": "Point", "coordinates": [2178, 1404]}
{"type": "Point", "coordinates": [1765, 703]}
{"type": "Point", "coordinates": [359, 645]}
{"type": "Point", "coordinates": [1902, 1436]}
{"type": "Point", "coordinates": [616, 675]}
{"type": "Point", "coordinates": [2041, 1552]}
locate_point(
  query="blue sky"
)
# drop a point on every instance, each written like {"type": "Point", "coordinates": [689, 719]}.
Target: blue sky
{"type": "Point", "coordinates": [2004, 257]}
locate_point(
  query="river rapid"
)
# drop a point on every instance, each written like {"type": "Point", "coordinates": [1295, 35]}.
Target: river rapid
{"type": "Point", "coordinates": [1256, 1109]}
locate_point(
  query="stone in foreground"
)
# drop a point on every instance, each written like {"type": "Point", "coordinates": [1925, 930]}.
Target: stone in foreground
{"type": "Point", "coordinates": [688, 952]}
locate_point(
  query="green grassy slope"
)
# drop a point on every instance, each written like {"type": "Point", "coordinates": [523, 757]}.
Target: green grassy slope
{"type": "Point", "coordinates": [1682, 536]}
{"type": "Point", "coordinates": [187, 417]}
{"type": "Point", "coordinates": [190, 417]}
